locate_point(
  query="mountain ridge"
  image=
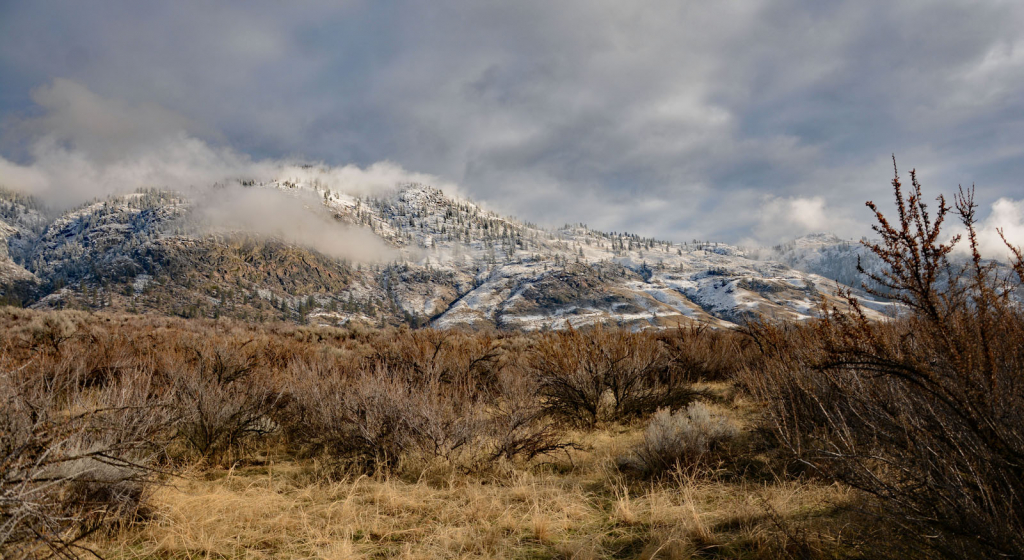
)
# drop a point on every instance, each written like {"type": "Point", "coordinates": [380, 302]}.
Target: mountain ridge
{"type": "Point", "coordinates": [445, 262]}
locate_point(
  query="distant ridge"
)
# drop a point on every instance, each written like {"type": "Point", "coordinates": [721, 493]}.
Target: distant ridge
{"type": "Point", "coordinates": [450, 264]}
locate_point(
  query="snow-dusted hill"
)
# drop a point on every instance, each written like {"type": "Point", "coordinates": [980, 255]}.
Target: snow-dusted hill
{"type": "Point", "coordinates": [448, 263]}
{"type": "Point", "coordinates": [824, 254]}
{"type": "Point", "coordinates": [20, 223]}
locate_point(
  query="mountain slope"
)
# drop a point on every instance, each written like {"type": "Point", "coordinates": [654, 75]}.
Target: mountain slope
{"type": "Point", "coordinates": [824, 254]}
{"type": "Point", "coordinates": [451, 264]}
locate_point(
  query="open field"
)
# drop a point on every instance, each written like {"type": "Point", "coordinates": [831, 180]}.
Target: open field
{"type": "Point", "coordinates": [572, 506]}
{"type": "Point", "coordinates": [226, 465]}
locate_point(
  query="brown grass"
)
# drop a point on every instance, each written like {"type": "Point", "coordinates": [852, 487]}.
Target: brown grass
{"type": "Point", "coordinates": [259, 439]}
{"type": "Point", "coordinates": [580, 510]}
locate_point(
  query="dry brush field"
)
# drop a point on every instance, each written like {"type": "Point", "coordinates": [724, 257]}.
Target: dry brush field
{"type": "Point", "coordinates": [170, 438]}
{"type": "Point", "coordinates": [126, 436]}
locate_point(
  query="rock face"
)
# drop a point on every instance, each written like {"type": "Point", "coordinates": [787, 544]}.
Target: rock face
{"type": "Point", "coordinates": [453, 264]}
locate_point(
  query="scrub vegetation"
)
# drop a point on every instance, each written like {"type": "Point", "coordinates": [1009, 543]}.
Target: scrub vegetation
{"type": "Point", "coordinates": [129, 436]}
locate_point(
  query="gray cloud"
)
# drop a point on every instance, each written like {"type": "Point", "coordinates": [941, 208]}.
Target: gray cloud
{"type": "Point", "coordinates": [677, 119]}
{"type": "Point", "coordinates": [101, 129]}
{"type": "Point", "coordinates": [85, 146]}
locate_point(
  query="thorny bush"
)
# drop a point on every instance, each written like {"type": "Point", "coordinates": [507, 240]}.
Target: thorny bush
{"type": "Point", "coordinates": [924, 412]}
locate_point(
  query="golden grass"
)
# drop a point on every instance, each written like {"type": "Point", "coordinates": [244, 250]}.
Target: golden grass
{"type": "Point", "coordinates": [577, 507]}
{"type": "Point", "coordinates": [573, 504]}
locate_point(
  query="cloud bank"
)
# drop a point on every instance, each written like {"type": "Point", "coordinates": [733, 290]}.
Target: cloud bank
{"type": "Point", "coordinates": [294, 217]}
{"type": "Point", "coordinates": [790, 217]}
{"type": "Point", "coordinates": [673, 119]}
{"type": "Point", "coordinates": [84, 146]}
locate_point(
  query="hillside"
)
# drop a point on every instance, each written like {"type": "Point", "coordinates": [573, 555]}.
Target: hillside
{"type": "Point", "coordinates": [451, 264]}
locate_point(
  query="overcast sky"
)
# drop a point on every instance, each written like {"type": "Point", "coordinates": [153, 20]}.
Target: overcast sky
{"type": "Point", "coordinates": [731, 120]}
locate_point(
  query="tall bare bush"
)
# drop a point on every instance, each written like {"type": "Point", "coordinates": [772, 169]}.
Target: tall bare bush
{"type": "Point", "coordinates": [699, 353]}
{"type": "Point", "coordinates": [519, 423]}
{"type": "Point", "coordinates": [419, 398]}
{"type": "Point", "coordinates": [222, 395]}
{"type": "Point", "coordinates": [925, 412]}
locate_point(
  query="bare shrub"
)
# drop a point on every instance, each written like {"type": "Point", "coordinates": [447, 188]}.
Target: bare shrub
{"type": "Point", "coordinates": [466, 400]}
{"type": "Point", "coordinates": [70, 461]}
{"type": "Point", "coordinates": [51, 330]}
{"type": "Point", "coordinates": [519, 425]}
{"type": "Point", "coordinates": [923, 412]}
{"type": "Point", "coordinates": [449, 421]}
{"type": "Point", "coordinates": [379, 418]}
{"type": "Point", "coordinates": [378, 407]}
{"type": "Point", "coordinates": [686, 440]}
{"type": "Point", "coordinates": [418, 399]}
{"type": "Point", "coordinates": [699, 353]}
{"type": "Point", "coordinates": [314, 417]}
{"type": "Point", "coordinates": [577, 370]}
{"type": "Point", "coordinates": [570, 377]}
{"type": "Point", "coordinates": [446, 356]}
{"type": "Point", "coordinates": [222, 396]}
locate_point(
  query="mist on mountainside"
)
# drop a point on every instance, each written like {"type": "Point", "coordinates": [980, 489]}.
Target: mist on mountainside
{"type": "Point", "coordinates": [85, 147]}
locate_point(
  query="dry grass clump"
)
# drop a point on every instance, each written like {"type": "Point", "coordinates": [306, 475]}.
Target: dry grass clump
{"type": "Point", "coordinates": [687, 440]}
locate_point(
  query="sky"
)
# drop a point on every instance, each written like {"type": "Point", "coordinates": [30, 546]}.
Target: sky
{"type": "Point", "coordinates": [746, 121]}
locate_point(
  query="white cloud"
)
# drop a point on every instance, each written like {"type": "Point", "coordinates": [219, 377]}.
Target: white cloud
{"type": "Point", "coordinates": [784, 218]}
{"type": "Point", "coordinates": [294, 217]}
{"type": "Point", "coordinates": [1006, 214]}
{"type": "Point", "coordinates": [86, 146]}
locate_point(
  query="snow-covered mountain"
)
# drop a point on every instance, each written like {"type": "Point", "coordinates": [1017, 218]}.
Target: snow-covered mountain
{"type": "Point", "coordinates": [824, 254]}
{"type": "Point", "coordinates": [450, 263]}
{"type": "Point", "coordinates": [21, 221]}
{"type": "Point", "coordinates": [832, 257]}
